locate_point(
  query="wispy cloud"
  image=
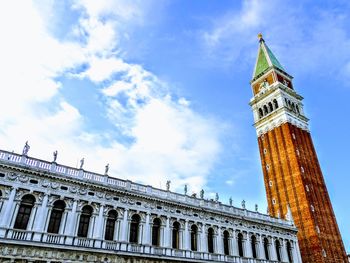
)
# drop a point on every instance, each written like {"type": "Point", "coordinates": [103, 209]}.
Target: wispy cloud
{"type": "Point", "coordinates": [161, 136]}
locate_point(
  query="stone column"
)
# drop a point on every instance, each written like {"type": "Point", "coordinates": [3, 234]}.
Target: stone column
{"type": "Point", "coordinates": [219, 244]}
{"type": "Point", "coordinates": [272, 249]}
{"type": "Point", "coordinates": [146, 231]}
{"type": "Point", "coordinates": [125, 228]}
{"type": "Point", "coordinates": [260, 250]}
{"type": "Point", "coordinates": [167, 233]}
{"type": "Point", "coordinates": [247, 248]}
{"type": "Point", "coordinates": [7, 212]}
{"type": "Point", "coordinates": [71, 222]}
{"type": "Point", "coordinates": [140, 233]}
{"type": "Point", "coordinates": [284, 256]}
{"type": "Point", "coordinates": [63, 223]}
{"type": "Point", "coordinates": [204, 240]}
{"type": "Point", "coordinates": [32, 217]}
{"type": "Point", "coordinates": [187, 241]}
{"type": "Point", "coordinates": [41, 215]}
{"type": "Point", "coordinates": [92, 225]}
{"type": "Point", "coordinates": [98, 226]}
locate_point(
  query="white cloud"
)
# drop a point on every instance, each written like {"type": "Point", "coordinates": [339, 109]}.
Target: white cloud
{"type": "Point", "coordinates": [168, 140]}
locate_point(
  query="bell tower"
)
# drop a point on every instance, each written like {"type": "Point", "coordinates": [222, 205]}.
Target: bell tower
{"type": "Point", "coordinates": [292, 173]}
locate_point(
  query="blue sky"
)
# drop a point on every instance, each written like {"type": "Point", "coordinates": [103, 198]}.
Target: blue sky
{"type": "Point", "coordinates": [160, 89]}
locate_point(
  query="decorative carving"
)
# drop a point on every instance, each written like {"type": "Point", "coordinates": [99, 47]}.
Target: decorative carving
{"type": "Point", "coordinates": [55, 185]}
{"type": "Point", "coordinates": [23, 178]}
{"type": "Point", "coordinates": [12, 176]}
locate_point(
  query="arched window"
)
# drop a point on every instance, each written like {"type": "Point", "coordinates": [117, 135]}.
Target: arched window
{"type": "Point", "coordinates": [266, 111]}
{"type": "Point", "coordinates": [84, 221]}
{"type": "Point", "coordinates": [278, 249]}
{"type": "Point", "coordinates": [56, 216]}
{"type": "Point", "coordinates": [226, 243]}
{"type": "Point", "coordinates": [293, 107]}
{"type": "Point", "coordinates": [211, 240]}
{"type": "Point", "coordinates": [275, 103]}
{"type": "Point", "coordinates": [289, 252]}
{"type": "Point", "coordinates": [270, 107]}
{"type": "Point", "coordinates": [297, 108]}
{"type": "Point", "coordinates": [176, 235]}
{"type": "Point", "coordinates": [253, 243]}
{"type": "Point", "coordinates": [110, 224]}
{"type": "Point", "coordinates": [194, 231]}
{"type": "Point", "coordinates": [266, 248]}
{"type": "Point", "coordinates": [156, 232]}
{"type": "Point", "coordinates": [240, 244]}
{"type": "Point", "coordinates": [134, 228]}
{"type": "Point", "coordinates": [24, 211]}
{"type": "Point", "coordinates": [261, 113]}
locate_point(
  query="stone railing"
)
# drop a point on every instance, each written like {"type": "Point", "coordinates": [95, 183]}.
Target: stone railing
{"type": "Point", "coordinates": [80, 174]}
{"type": "Point", "coordinates": [47, 240]}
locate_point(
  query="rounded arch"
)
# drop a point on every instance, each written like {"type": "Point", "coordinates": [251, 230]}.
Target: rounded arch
{"type": "Point", "coordinates": [24, 211]}
{"type": "Point", "coordinates": [210, 240]}
{"type": "Point", "coordinates": [297, 108]}
{"type": "Point", "coordinates": [240, 244]}
{"type": "Point", "coordinates": [261, 113]}
{"type": "Point", "coordinates": [275, 104]}
{"type": "Point", "coordinates": [289, 252]}
{"type": "Point", "coordinates": [156, 231]}
{"type": "Point", "coordinates": [194, 241]}
{"type": "Point", "coordinates": [84, 221]}
{"type": "Point", "coordinates": [176, 235]}
{"type": "Point", "coordinates": [278, 249]}
{"type": "Point", "coordinates": [266, 248]}
{"type": "Point", "coordinates": [111, 219]}
{"type": "Point", "coordinates": [266, 111]}
{"type": "Point", "coordinates": [253, 244]}
{"type": "Point", "coordinates": [270, 107]}
{"type": "Point", "coordinates": [226, 237]}
{"type": "Point", "coordinates": [134, 228]}
{"type": "Point", "coordinates": [56, 216]}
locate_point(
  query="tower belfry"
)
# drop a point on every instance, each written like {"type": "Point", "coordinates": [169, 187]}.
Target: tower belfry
{"type": "Point", "coordinates": [292, 174]}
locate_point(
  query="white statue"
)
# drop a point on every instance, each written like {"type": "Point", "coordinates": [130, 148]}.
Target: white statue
{"type": "Point", "coordinates": [256, 207]}
{"type": "Point", "coordinates": [26, 149]}
{"type": "Point", "coordinates": [106, 169]}
{"type": "Point", "coordinates": [81, 163]}
{"type": "Point", "coordinates": [230, 201]}
{"type": "Point", "coordinates": [216, 197]}
{"type": "Point", "coordinates": [168, 185]}
{"type": "Point", "coordinates": [243, 204]}
{"type": "Point", "coordinates": [185, 189]}
{"type": "Point", "coordinates": [55, 156]}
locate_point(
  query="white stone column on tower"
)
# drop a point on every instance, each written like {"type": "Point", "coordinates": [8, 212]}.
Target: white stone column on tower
{"type": "Point", "coordinates": [146, 231]}
{"type": "Point", "coordinates": [92, 225]}
{"type": "Point", "coordinates": [71, 222]}
{"type": "Point", "coordinates": [63, 223]}
{"type": "Point", "coordinates": [7, 212]}
{"type": "Point", "coordinates": [187, 241]}
{"type": "Point", "coordinates": [40, 218]}
{"type": "Point", "coordinates": [140, 232]}
{"type": "Point", "coordinates": [296, 252]}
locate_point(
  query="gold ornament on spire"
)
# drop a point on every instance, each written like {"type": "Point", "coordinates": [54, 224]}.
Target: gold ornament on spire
{"type": "Point", "coordinates": [260, 36]}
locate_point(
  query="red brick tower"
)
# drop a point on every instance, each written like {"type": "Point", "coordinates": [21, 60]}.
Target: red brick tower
{"type": "Point", "coordinates": [292, 173]}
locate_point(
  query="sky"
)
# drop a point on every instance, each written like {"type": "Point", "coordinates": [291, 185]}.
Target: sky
{"type": "Point", "coordinates": [160, 89]}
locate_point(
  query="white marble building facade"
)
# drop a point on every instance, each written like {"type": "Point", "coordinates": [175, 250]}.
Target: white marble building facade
{"type": "Point", "coordinates": [54, 213]}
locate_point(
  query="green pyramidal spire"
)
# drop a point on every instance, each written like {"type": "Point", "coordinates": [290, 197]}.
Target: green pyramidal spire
{"type": "Point", "coordinates": [266, 59]}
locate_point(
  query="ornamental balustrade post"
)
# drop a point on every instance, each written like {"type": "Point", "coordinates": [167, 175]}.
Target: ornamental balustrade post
{"type": "Point", "coordinates": [40, 218]}
{"type": "Point", "coordinates": [7, 210]}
